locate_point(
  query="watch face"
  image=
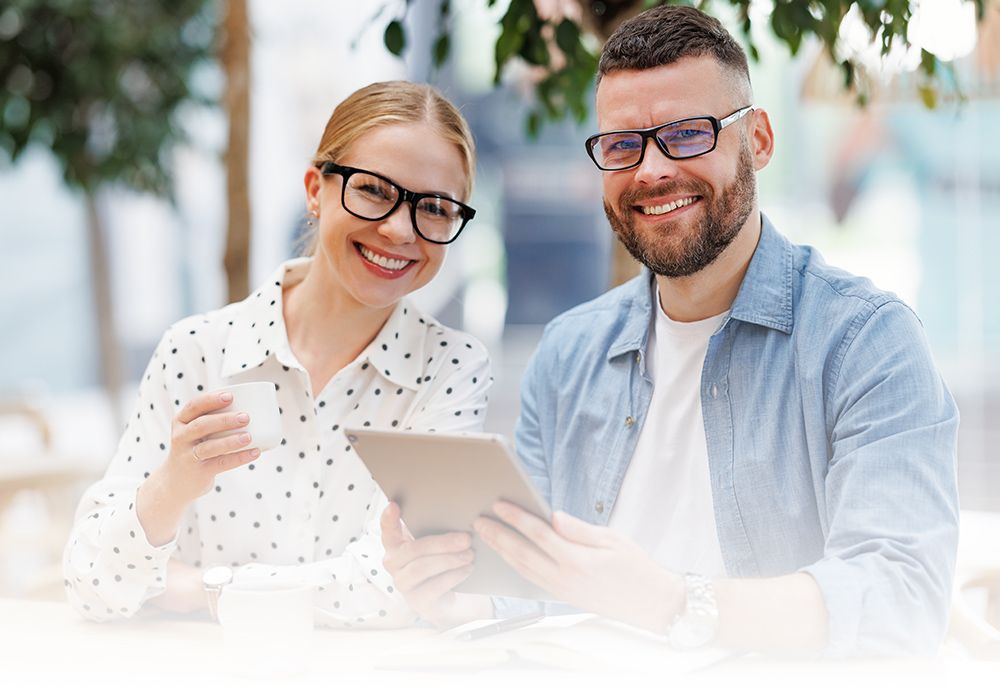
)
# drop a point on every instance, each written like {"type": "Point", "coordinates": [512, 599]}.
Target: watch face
{"type": "Point", "coordinates": [217, 576]}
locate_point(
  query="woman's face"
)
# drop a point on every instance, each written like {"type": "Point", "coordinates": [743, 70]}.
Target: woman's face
{"type": "Point", "coordinates": [376, 263]}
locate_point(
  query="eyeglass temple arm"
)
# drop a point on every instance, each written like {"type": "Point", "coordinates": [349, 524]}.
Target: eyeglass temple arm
{"type": "Point", "coordinates": [723, 123]}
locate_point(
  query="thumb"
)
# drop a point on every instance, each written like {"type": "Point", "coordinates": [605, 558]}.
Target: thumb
{"type": "Point", "coordinates": [392, 526]}
{"type": "Point", "coordinates": [580, 531]}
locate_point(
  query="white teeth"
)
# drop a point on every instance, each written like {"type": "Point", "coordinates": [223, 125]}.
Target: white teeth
{"type": "Point", "coordinates": [382, 261]}
{"type": "Point", "coordinates": [661, 209]}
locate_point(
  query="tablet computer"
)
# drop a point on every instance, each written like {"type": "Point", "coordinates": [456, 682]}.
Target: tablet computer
{"type": "Point", "coordinates": [443, 482]}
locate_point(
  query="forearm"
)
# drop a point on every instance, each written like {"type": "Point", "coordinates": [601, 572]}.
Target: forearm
{"type": "Point", "coordinates": [783, 615]}
{"type": "Point", "coordinates": [158, 508]}
{"type": "Point", "coordinates": [109, 567]}
{"type": "Point", "coordinates": [185, 591]}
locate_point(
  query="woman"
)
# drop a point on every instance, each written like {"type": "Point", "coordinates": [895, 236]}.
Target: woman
{"type": "Point", "coordinates": [337, 336]}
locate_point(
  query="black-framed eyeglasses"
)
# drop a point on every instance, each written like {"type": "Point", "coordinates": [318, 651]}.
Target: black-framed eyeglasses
{"type": "Point", "coordinates": [370, 196]}
{"type": "Point", "coordinates": [685, 138]}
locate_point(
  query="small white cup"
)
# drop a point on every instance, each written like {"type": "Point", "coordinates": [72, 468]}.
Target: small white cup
{"type": "Point", "coordinates": [259, 400]}
{"type": "Point", "coordinates": [267, 627]}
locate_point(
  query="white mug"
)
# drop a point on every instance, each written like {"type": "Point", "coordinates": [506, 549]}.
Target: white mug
{"type": "Point", "coordinates": [259, 400]}
{"type": "Point", "coordinates": [267, 626]}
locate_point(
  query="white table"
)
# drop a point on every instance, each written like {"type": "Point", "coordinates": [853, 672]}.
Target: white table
{"type": "Point", "coordinates": [46, 643]}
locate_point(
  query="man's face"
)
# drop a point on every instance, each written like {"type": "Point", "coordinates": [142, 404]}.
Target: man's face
{"type": "Point", "coordinates": [677, 216]}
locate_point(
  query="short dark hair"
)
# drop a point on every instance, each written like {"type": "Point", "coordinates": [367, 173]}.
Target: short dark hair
{"type": "Point", "coordinates": [663, 35]}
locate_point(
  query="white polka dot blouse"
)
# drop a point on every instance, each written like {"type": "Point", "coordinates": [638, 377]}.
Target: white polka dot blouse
{"type": "Point", "coordinates": [307, 509]}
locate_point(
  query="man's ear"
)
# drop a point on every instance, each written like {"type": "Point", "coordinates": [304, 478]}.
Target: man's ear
{"type": "Point", "coordinates": [761, 139]}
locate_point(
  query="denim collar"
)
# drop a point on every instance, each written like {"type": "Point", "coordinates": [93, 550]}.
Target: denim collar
{"type": "Point", "coordinates": [764, 298]}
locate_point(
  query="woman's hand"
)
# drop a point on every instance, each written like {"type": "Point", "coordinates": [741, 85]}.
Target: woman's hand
{"type": "Point", "coordinates": [185, 591]}
{"type": "Point", "coordinates": [192, 463]}
{"type": "Point", "coordinates": [425, 571]}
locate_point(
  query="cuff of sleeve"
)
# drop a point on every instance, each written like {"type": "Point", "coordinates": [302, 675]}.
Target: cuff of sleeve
{"type": "Point", "coordinates": [126, 533]}
{"type": "Point", "coordinates": [843, 598]}
{"type": "Point", "coordinates": [506, 607]}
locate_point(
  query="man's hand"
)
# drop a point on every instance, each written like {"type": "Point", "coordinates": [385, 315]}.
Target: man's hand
{"type": "Point", "coordinates": [426, 570]}
{"type": "Point", "coordinates": [587, 566]}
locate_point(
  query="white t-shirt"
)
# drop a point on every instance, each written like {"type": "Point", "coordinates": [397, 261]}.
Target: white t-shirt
{"type": "Point", "coordinates": [665, 502]}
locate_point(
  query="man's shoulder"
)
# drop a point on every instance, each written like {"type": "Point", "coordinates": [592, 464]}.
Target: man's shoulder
{"type": "Point", "coordinates": [611, 307]}
{"type": "Point", "coordinates": [614, 321]}
{"type": "Point", "coordinates": [833, 289]}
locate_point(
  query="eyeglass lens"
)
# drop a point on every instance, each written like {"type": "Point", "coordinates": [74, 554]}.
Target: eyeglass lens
{"type": "Point", "coordinates": [370, 197]}
{"type": "Point", "coordinates": [681, 139]}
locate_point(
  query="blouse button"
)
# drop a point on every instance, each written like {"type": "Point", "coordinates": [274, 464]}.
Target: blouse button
{"type": "Point", "coordinates": [599, 507]}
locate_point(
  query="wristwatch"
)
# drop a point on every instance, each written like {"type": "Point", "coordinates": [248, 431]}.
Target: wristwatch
{"type": "Point", "coordinates": [697, 624]}
{"type": "Point", "coordinates": [214, 580]}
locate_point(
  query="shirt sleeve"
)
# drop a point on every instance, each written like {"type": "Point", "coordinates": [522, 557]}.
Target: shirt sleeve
{"type": "Point", "coordinates": [354, 589]}
{"type": "Point", "coordinates": [537, 392]}
{"type": "Point", "coordinates": [891, 492]}
{"type": "Point", "coordinates": [109, 567]}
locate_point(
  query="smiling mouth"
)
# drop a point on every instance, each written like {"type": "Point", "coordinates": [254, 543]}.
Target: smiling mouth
{"type": "Point", "coordinates": [667, 207]}
{"type": "Point", "coordinates": [384, 262]}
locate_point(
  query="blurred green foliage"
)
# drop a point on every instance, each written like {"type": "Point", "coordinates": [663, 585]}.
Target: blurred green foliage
{"type": "Point", "coordinates": [563, 88]}
{"type": "Point", "coordinates": [99, 84]}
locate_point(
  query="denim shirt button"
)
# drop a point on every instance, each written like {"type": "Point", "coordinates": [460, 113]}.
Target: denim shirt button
{"type": "Point", "coordinates": [629, 421]}
{"type": "Point", "coordinates": [715, 391]}
{"type": "Point", "coordinates": [599, 507]}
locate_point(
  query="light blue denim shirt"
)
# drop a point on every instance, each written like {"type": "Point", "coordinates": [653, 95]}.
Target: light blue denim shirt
{"type": "Point", "coordinates": [831, 438]}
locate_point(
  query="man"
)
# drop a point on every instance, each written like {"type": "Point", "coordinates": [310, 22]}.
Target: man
{"type": "Point", "coordinates": [751, 448]}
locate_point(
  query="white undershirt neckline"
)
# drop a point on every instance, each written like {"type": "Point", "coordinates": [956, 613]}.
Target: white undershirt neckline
{"type": "Point", "coordinates": [665, 501]}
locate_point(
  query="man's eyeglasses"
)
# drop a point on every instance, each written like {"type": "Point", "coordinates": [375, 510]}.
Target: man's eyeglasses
{"type": "Point", "coordinates": [369, 196]}
{"type": "Point", "coordinates": [685, 138]}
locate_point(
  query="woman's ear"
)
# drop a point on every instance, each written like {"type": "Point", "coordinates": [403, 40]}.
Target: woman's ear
{"type": "Point", "coordinates": [312, 182]}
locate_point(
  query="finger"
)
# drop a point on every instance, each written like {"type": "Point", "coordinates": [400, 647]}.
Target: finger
{"type": "Point", "coordinates": [209, 449]}
{"type": "Point", "coordinates": [581, 532]}
{"type": "Point", "coordinates": [392, 527]}
{"type": "Point", "coordinates": [202, 404]}
{"type": "Point", "coordinates": [203, 426]}
{"type": "Point", "coordinates": [437, 587]}
{"type": "Point", "coordinates": [535, 529]}
{"type": "Point", "coordinates": [401, 555]}
{"type": "Point", "coordinates": [228, 462]}
{"type": "Point", "coordinates": [419, 571]}
{"type": "Point", "coordinates": [515, 549]}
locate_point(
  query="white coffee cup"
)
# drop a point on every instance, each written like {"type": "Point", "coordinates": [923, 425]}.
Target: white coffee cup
{"type": "Point", "coordinates": [259, 400]}
{"type": "Point", "coordinates": [267, 626]}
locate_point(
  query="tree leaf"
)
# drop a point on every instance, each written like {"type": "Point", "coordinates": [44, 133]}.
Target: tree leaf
{"type": "Point", "coordinates": [440, 50]}
{"type": "Point", "coordinates": [395, 39]}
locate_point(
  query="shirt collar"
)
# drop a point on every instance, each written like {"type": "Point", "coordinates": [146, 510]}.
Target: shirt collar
{"type": "Point", "coordinates": [764, 297]}
{"type": "Point", "coordinates": [257, 323]}
{"type": "Point", "coordinates": [399, 349]}
{"type": "Point", "coordinates": [258, 331]}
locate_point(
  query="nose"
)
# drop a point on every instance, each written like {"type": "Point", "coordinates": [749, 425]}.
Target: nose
{"type": "Point", "coordinates": [398, 227]}
{"type": "Point", "coordinates": [655, 166]}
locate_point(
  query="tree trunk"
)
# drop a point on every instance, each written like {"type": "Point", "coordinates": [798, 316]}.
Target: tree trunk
{"type": "Point", "coordinates": [236, 64]}
{"type": "Point", "coordinates": [109, 347]}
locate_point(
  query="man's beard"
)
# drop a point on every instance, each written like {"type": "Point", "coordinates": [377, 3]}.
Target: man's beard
{"type": "Point", "coordinates": [722, 221]}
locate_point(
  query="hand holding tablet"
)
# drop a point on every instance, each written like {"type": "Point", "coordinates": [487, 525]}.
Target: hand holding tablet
{"type": "Point", "coordinates": [443, 483]}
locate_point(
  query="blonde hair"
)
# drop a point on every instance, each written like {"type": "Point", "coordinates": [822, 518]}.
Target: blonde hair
{"type": "Point", "coordinates": [394, 102]}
